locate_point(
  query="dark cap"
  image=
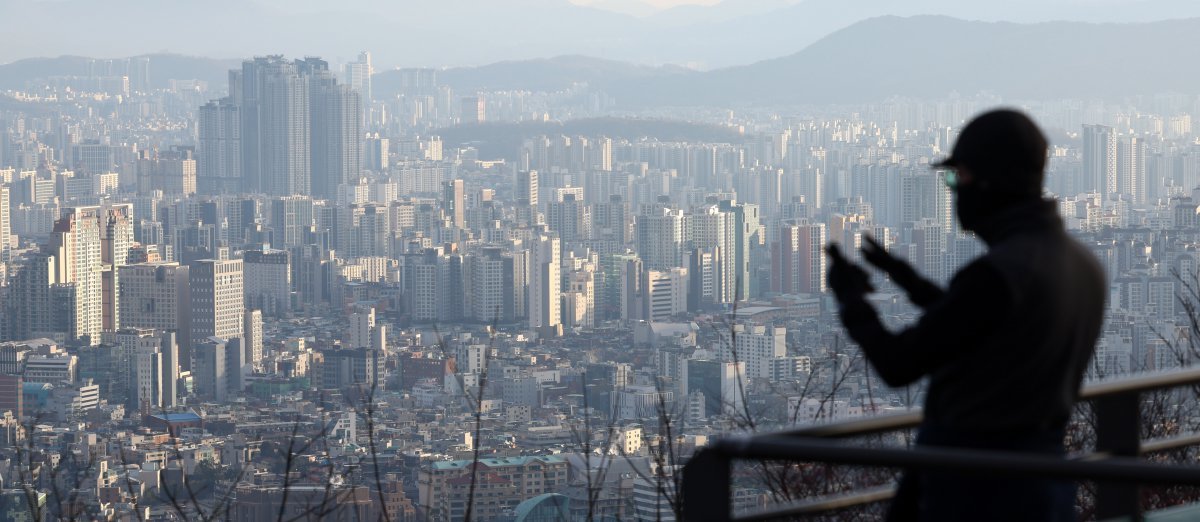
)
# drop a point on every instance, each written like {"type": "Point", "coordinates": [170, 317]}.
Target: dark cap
{"type": "Point", "coordinates": [1003, 145]}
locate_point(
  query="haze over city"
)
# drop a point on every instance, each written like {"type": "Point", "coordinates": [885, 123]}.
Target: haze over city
{"type": "Point", "coordinates": [526, 260]}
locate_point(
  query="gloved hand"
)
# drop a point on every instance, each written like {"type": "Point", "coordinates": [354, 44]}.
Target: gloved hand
{"type": "Point", "coordinates": [901, 273]}
{"type": "Point", "coordinates": [921, 291]}
{"type": "Point", "coordinates": [848, 281]}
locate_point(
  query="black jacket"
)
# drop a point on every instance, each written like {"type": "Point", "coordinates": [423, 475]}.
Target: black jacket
{"type": "Point", "coordinates": [1007, 344]}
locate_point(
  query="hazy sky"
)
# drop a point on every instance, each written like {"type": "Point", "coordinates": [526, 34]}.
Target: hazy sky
{"type": "Point", "coordinates": [709, 34]}
{"type": "Point", "coordinates": [657, 4]}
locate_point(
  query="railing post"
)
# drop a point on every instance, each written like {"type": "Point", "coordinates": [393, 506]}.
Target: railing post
{"type": "Point", "coordinates": [1118, 422]}
{"type": "Point", "coordinates": [706, 485]}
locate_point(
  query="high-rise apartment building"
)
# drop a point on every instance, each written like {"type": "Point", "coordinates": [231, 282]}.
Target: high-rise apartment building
{"type": "Point", "coordinates": [454, 201]}
{"type": "Point", "coordinates": [929, 249]}
{"type": "Point", "coordinates": [173, 172]}
{"type": "Point", "coordinates": [364, 332]}
{"type": "Point", "coordinates": [665, 294]}
{"type": "Point", "coordinates": [545, 285]}
{"type": "Point", "coordinates": [1131, 169]}
{"type": "Point", "coordinates": [1100, 160]}
{"type": "Point", "coordinates": [661, 233]}
{"type": "Point", "coordinates": [291, 220]}
{"type": "Point", "coordinates": [570, 218]}
{"type": "Point", "coordinates": [75, 243]}
{"type": "Point", "coordinates": [490, 291]}
{"type": "Point", "coordinates": [716, 231]}
{"type": "Point", "coordinates": [798, 261]}
{"type": "Point", "coordinates": [756, 345]}
{"type": "Point", "coordinates": [276, 127]}
{"type": "Point", "coordinates": [336, 134]}
{"type": "Point", "coordinates": [5, 224]}
{"type": "Point", "coordinates": [28, 300]}
{"type": "Point", "coordinates": [219, 148]}
{"type": "Point", "coordinates": [268, 281]}
{"type": "Point", "coordinates": [527, 188]}
{"type": "Point", "coordinates": [357, 75]}
{"type": "Point", "coordinates": [253, 325]}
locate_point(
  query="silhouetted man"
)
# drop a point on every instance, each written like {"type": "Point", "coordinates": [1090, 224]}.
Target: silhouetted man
{"type": "Point", "coordinates": [1005, 346]}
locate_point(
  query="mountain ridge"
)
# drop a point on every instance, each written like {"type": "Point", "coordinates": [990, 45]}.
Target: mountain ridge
{"type": "Point", "coordinates": [921, 56]}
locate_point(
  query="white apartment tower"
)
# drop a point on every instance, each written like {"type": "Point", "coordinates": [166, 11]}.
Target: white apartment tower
{"type": "Point", "coordinates": [75, 243]}
{"type": "Point", "coordinates": [1100, 160]}
{"type": "Point", "coordinates": [253, 324]}
{"type": "Point", "coordinates": [5, 225]}
{"type": "Point", "coordinates": [545, 285]}
{"type": "Point", "coordinates": [755, 345]}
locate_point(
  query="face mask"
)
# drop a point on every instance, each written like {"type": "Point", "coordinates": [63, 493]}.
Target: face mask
{"type": "Point", "coordinates": [971, 206]}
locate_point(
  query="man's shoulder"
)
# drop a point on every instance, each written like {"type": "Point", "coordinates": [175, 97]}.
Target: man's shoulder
{"type": "Point", "coordinates": [1047, 255]}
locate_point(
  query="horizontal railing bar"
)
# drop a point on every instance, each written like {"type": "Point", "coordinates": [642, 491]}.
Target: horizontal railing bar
{"type": "Point", "coordinates": [1141, 383]}
{"type": "Point", "coordinates": [911, 419]}
{"type": "Point", "coordinates": [878, 494]}
{"type": "Point", "coordinates": [858, 427]}
{"type": "Point", "coordinates": [1115, 469]}
{"type": "Point", "coordinates": [1170, 443]}
{"type": "Point", "coordinates": [821, 505]}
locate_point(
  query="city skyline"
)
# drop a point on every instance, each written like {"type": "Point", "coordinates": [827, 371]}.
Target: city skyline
{"type": "Point", "coordinates": [356, 279]}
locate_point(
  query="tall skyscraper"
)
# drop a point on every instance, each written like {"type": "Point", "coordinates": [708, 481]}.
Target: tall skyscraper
{"type": "Point", "coordinates": [217, 301]}
{"type": "Point", "coordinates": [219, 148]}
{"type": "Point", "coordinates": [1100, 159]}
{"type": "Point", "coordinates": [291, 219]}
{"type": "Point", "coordinates": [76, 246]}
{"type": "Point", "coordinates": [253, 325]}
{"type": "Point", "coordinates": [276, 127]}
{"type": "Point", "coordinates": [362, 327]}
{"type": "Point", "coordinates": [357, 75]}
{"type": "Point", "coordinates": [5, 224]}
{"type": "Point", "coordinates": [337, 136]}
{"type": "Point", "coordinates": [28, 307]}
{"type": "Point", "coordinates": [490, 289]}
{"type": "Point", "coordinates": [929, 249]}
{"type": "Point", "coordinates": [527, 188]}
{"type": "Point", "coordinates": [661, 232]}
{"type": "Point", "coordinates": [454, 202]}
{"type": "Point", "coordinates": [116, 237]}
{"type": "Point", "coordinates": [268, 281]}
{"type": "Point", "coordinates": [545, 285]}
{"type": "Point", "coordinates": [1131, 168]}
{"type": "Point", "coordinates": [798, 262]}
{"type": "Point", "coordinates": [570, 218]}
{"type": "Point", "coordinates": [716, 231]}
{"type": "Point", "coordinates": [301, 131]}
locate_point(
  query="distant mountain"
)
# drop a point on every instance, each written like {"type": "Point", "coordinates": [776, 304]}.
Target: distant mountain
{"type": "Point", "coordinates": [475, 32]}
{"type": "Point", "coordinates": [163, 67]}
{"type": "Point", "coordinates": [929, 56]}
{"type": "Point", "coordinates": [549, 74]}
{"type": "Point", "coordinates": [922, 56]}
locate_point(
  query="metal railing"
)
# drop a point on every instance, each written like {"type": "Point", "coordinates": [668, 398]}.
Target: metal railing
{"type": "Point", "coordinates": [1114, 464]}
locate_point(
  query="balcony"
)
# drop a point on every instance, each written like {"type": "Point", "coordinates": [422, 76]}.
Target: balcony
{"type": "Point", "coordinates": [1116, 464]}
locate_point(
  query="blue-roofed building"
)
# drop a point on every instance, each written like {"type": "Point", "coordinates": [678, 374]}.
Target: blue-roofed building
{"type": "Point", "coordinates": [173, 423]}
